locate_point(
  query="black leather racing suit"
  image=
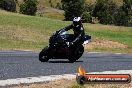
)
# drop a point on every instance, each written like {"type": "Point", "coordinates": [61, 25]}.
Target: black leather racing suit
{"type": "Point", "coordinates": [78, 33]}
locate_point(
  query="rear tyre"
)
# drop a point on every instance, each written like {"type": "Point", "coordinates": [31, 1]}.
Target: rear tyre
{"type": "Point", "coordinates": [43, 55]}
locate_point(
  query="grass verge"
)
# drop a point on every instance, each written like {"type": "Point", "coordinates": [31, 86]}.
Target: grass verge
{"type": "Point", "coordinates": [32, 33]}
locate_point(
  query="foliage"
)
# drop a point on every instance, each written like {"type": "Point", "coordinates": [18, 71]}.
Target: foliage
{"type": "Point", "coordinates": [105, 10]}
{"type": "Point", "coordinates": [127, 8]}
{"type": "Point", "coordinates": [87, 17]}
{"type": "Point", "coordinates": [73, 8]}
{"type": "Point", "coordinates": [8, 5]}
{"type": "Point", "coordinates": [89, 7]}
{"type": "Point", "coordinates": [120, 18]}
{"type": "Point", "coordinates": [109, 13]}
{"type": "Point", "coordinates": [59, 6]}
{"type": "Point", "coordinates": [29, 7]}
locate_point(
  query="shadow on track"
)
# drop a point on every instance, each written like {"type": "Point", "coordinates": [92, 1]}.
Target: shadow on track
{"type": "Point", "coordinates": [63, 61]}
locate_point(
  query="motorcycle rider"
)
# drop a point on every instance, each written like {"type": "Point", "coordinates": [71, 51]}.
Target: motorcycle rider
{"type": "Point", "coordinates": [78, 29]}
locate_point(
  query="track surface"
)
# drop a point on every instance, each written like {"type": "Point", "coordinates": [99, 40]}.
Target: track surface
{"type": "Point", "coordinates": [21, 64]}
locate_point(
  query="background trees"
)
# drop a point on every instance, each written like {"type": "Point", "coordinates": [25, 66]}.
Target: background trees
{"type": "Point", "coordinates": [73, 8]}
{"type": "Point", "coordinates": [109, 13]}
{"type": "Point", "coordinates": [127, 9]}
{"type": "Point", "coordinates": [29, 7]}
{"type": "Point", "coordinates": [8, 5]}
{"type": "Point", "coordinates": [104, 11]}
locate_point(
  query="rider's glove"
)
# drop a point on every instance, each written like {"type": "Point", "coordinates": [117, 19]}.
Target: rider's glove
{"type": "Point", "coordinates": [69, 43]}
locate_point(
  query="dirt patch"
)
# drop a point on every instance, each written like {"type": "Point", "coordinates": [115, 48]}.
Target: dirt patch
{"type": "Point", "coordinates": [63, 83]}
{"type": "Point", "coordinates": [108, 86]}
{"type": "Point", "coordinates": [104, 44]}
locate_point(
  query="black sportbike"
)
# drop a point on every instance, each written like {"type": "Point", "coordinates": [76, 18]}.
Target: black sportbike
{"type": "Point", "coordinates": [59, 47]}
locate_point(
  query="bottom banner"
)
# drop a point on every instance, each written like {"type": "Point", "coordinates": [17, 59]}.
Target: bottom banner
{"type": "Point", "coordinates": [83, 78]}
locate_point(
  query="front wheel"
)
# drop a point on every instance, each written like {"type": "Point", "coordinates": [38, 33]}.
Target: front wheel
{"type": "Point", "coordinates": [43, 55]}
{"type": "Point", "coordinates": [77, 53]}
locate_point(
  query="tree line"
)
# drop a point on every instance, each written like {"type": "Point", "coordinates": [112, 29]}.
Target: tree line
{"type": "Point", "coordinates": [104, 11]}
{"type": "Point", "coordinates": [28, 7]}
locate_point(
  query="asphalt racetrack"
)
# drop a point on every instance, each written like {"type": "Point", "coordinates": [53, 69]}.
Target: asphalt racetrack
{"type": "Point", "coordinates": [21, 64]}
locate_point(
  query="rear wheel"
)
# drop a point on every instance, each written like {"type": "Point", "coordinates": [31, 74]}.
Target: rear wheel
{"type": "Point", "coordinates": [76, 54]}
{"type": "Point", "coordinates": [43, 55]}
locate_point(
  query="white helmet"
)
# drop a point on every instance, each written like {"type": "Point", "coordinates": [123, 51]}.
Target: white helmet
{"type": "Point", "coordinates": [77, 21]}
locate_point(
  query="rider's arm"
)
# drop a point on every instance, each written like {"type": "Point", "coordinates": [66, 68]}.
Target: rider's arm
{"type": "Point", "coordinates": [68, 27]}
{"type": "Point", "coordinates": [79, 36]}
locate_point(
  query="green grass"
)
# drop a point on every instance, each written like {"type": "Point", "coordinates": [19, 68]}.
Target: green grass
{"type": "Point", "coordinates": [54, 15]}
{"type": "Point", "coordinates": [119, 34]}
{"type": "Point", "coordinates": [26, 32]}
{"type": "Point", "coordinates": [51, 13]}
{"type": "Point", "coordinates": [115, 33]}
{"type": "Point", "coordinates": [32, 33]}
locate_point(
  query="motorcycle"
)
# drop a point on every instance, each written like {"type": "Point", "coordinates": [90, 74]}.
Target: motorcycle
{"type": "Point", "coordinates": [59, 47]}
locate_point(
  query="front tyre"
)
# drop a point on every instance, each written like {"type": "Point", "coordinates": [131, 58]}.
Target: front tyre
{"type": "Point", "coordinates": [43, 55]}
{"type": "Point", "coordinates": [77, 53]}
